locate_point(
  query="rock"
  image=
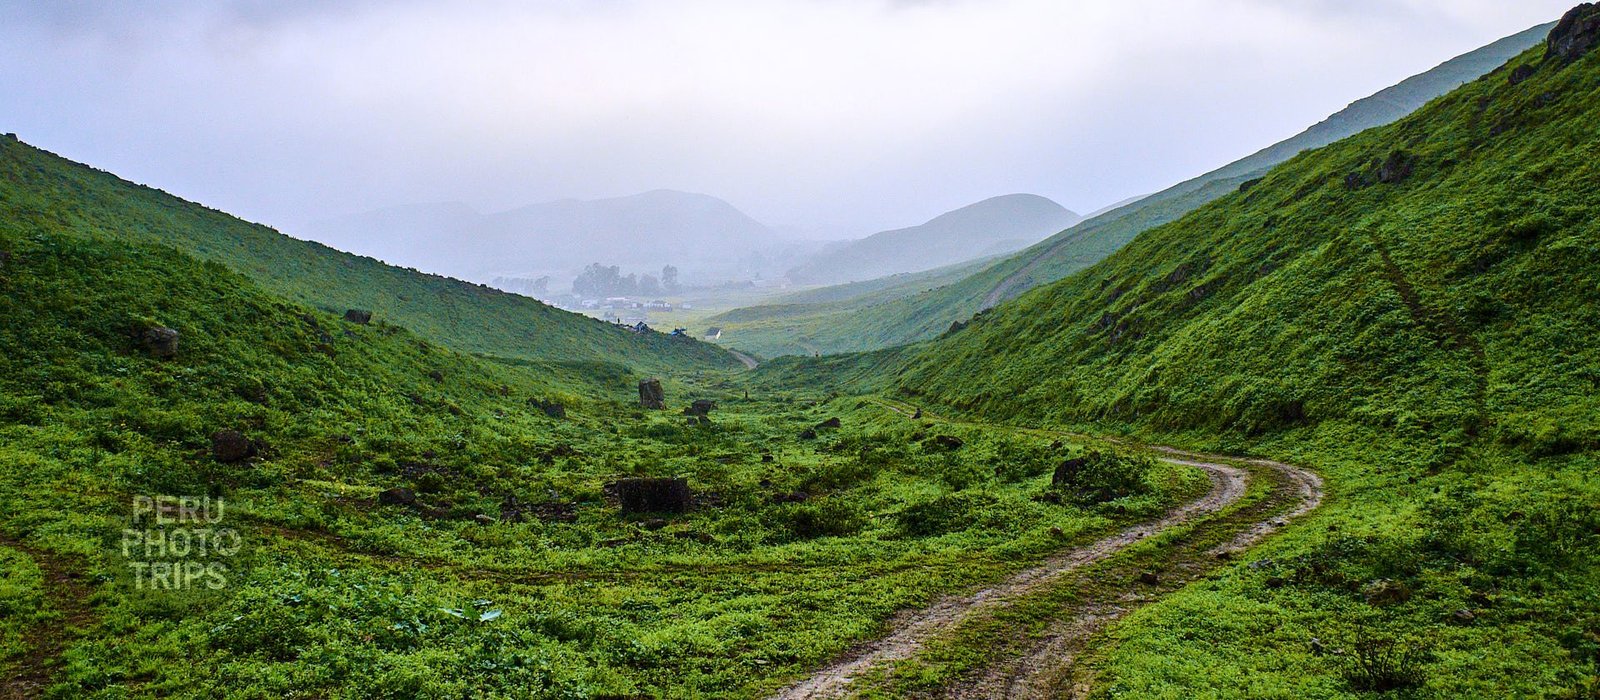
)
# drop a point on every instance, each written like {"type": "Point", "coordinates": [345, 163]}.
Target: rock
{"type": "Point", "coordinates": [654, 524]}
{"type": "Point", "coordinates": [1464, 615]}
{"type": "Point", "coordinates": [1355, 181]}
{"type": "Point", "coordinates": [955, 327]}
{"type": "Point", "coordinates": [918, 414]}
{"type": "Point", "coordinates": [1521, 73]}
{"type": "Point", "coordinates": [1066, 474]}
{"type": "Point", "coordinates": [808, 434]}
{"type": "Point", "coordinates": [1575, 34]}
{"type": "Point", "coordinates": [1276, 582]}
{"type": "Point", "coordinates": [398, 497]}
{"type": "Point", "coordinates": [701, 407]}
{"type": "Point", "coordinates": [1149, 578]}
{"type": "Point", "coordinates": [766, 458]}
{"type": "Point", "coordinates": [359, 316]}
{"type": "Point", "coordinates": [484, 519]}
{"type": "Point", "coordinates": [651, 395]}
{"type": "Point", "coordinates": [553, 409]}
{"type": "Point", "coordinates": [948, 442]}
{"type": "Point", "coordinates": [831, 424]}
{"type": "Point", "coordinates": [1317, 647]}
{"type": "Point", "coordinates": [1386, 592]}
{"type": "Point", "coordinates": [1396, 168]}
{"type": "Point", "coordinates": [230, 446]}
{"type": "Point", "coordinates": [654, 495]}
{"type": "Point", "coordinates": [160, 341]}
{"type": "Point", "coordinates": [1260, 564]}
{"type": "Point", "coordinates": [1056, 532]}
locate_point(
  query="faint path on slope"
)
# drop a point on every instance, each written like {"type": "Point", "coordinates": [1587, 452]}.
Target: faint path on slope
{"type": "Point", "coordinates": [749, 362]}
{"type": "Point", "coordinates": [906, 638]}
{"type": "Point", "coordinates": [997, 294]}
{"type": "Point", "coordinates": [46, 640]}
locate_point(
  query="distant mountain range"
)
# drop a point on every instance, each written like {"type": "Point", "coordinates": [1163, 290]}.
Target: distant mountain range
{"type": "Point", "coordinates": [705, 237]}
{"type": "Point", "coordinates": [991, 227]}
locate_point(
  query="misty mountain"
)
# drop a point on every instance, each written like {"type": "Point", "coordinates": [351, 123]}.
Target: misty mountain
{"type": "Point", "coordinates": [993, 226]}
{"type": "Point", "coordinates": [706, 238]}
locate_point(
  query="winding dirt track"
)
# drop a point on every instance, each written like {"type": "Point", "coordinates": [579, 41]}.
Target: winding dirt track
{"type": "Point", "coordinates": [1038, 671]}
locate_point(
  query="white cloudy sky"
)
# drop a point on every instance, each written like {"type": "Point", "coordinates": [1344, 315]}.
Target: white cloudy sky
{"type": "Point", "coordinates": [840, 116]}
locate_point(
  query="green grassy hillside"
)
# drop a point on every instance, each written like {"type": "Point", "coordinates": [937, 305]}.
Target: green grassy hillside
{"type": "Point", "coordinates": [514, 573]}
{"type": "Point", "coordinates": [1416, 312]}
{"type": "Point", "coordinates": [927, 313]}
{"type": "Point", "coordinates": [39, 190]}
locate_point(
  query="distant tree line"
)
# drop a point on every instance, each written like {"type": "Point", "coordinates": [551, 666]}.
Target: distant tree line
{"type": "Point", "coordinates": [608, 281]}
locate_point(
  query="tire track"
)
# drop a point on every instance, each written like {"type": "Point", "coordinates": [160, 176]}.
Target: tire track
{"type": "Point", "coordinates": [1045, 665]}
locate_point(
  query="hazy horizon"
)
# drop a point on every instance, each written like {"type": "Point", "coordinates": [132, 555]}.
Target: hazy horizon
{"type": "Point", "coordinates": [837, 119]}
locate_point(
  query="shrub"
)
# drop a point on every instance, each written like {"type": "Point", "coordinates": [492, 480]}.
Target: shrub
{"type": "Point", "coordinates": [1099, 476]}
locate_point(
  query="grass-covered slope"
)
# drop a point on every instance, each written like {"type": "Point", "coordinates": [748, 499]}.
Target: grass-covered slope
{"type": "Point", "coordinates": [513, 574]}
{"type": "Point", "coordinates": [929, 312]}
{"type": "Point", "coordinates": [43, 192]}
{"type": "Point", "coordinates": [1416, 312]}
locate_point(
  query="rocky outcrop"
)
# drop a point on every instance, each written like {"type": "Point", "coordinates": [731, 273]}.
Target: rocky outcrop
{"type": "Point", "coordinates": [1575, 34]}
{"type": "Point", "coordinates": [654, 495]}
{"type": "Point", "coordinates": [160, 341]}
{"type": "Point", "coordinates": [230, 446]}
{"type": "Point", "coordinates": [360, 316]}
{"type": "Point", "coordinates": [651, 395]}
{"type": "Point", "coordinates": [701, 407]}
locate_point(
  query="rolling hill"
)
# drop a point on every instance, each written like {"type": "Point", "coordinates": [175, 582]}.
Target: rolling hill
{"type": "Point", "coordinates": [1414, 311]}
{"type": "Point", "coordinates": [41, 190]}
{"type": "Point", "coordinates": [927, 313]}
{"type": "Point", "coordinates": [991, 227]}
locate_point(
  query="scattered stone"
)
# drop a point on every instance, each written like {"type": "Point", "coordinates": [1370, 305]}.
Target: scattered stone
{"type": "Point", "coordinates": [654, 495]}
{"type": "Point", "coordinates": [654, 524]}
{"type": "Point", "coordinates": [358, 316]}
{"type": "Point", "coordinates": [1396, 168]}
{"type": "Point", "coordinates": [651, 395]}
{"type": "Point", "coordinates": [918, 414]}
{"type": "Point", "coordinates": [955, 327]}
{"type": "Point", "coordinates": [398, 497]}
{"type": "Point", "coordinates": [701, 407]}
{"type": "Point", "coordinates": [1355, 181]}
{"type": "Point", "coordinates": [230, 446]}
{"type": "Point", "coordinates": [1464, 615]}
{"type": "Point", "coordinates": [1260, 564]}
{"type": "Point", "coordinates": [553, 409]}
{"type": "Point", "coordinates": [1066, 474]}
{"type": "Point", "coordinates": [793, 497]}
{"type": "Point", "coordinates": [1149, 578]}
{"type": "Point", "coordinates": [1224, 555]}
{"type": "Point", "coordinates": [1276, 582]}
{"type": "Point", "coordinates": [1317, 647]}
{"type": "Point", "coordinates": [1521, 73]}
{"type": "Point", "coordinates": [831, 423]}
{"type": "Point", "coordinates": [1280, 522]}
{"type": "Point", "coordinates": [484, 519]}
{"type": "Point", "coordinates": [948, 442]}
{"type": "Point", "coordinates": [1386, 592]}
{"type": "Point", "coordinates": [808, 434]}
{"type": "Point", "coordinates": [1055, 445]}
{"type": "Point", "coordinates": [436, 376]}
{"type": "Point", "coordinates": [160, 341]}
{"type": "Point", "coordinates": [1575, 34]}
{"type": "Point", "coordinates": [1056, 532]}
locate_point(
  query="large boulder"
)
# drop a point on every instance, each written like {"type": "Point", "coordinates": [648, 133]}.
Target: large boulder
{"type": "Point", "coordinates": [654, 495]}
{"type": "Point", "coordinates": [160, 341]}
{"type": "Point", "coordinates": [700, 408]}
{"type": "Point", "coordinates": [229, 446]}
{"type": "Point", "coordinates": [651, 395]}
{"type": "Point", "coordinates": [1575, 34]}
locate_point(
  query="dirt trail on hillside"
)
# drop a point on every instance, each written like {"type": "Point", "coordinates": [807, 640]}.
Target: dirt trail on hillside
{"type": "Point", "coordinates": [1038, 671]}
{"type": "Point", "coordinates": [32, 674]}
{"type": "Point", "coordinates": [909, 632]}
{"type": "Point", "coordinates": [749, 362]}
{"type": "Point", "coordinates": [1045, 668]}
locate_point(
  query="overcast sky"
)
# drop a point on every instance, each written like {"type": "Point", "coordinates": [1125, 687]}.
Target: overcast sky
{"type": "Point", "coordinates": [839, 116]}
